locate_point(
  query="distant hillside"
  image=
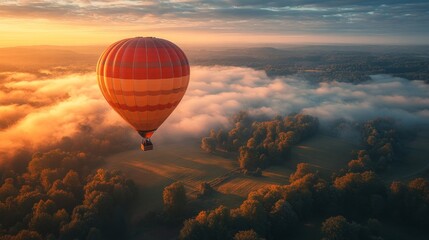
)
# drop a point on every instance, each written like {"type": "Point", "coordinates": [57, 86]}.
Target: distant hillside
{"type": "Point", "coordinates": [324, 63]}
{"type": "Point", "coordinates": [34, 57]}
{"type": "Point", "coordinates": [316, 63]}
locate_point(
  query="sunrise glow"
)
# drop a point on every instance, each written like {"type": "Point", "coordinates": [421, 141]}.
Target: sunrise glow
{"type": "Point", "coordinates": [200, 23]}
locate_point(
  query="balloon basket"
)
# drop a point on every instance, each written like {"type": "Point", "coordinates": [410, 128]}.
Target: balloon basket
{"type": "Point", "coordinates": [146, 145]}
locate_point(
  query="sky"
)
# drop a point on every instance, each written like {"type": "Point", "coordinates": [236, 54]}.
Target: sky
{"type": "Point", "coordinates": [214, 22]}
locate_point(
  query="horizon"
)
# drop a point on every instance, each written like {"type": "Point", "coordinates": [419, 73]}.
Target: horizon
{"type": "Point", "coordinates": [235, 46]}
{"type": "Point", "coordinates": [282, 42]}
{"type": "Point", "coordinates": [199, 21]}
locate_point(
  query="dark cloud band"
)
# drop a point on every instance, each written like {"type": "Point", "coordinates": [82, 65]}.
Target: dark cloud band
{"type": "Point", "coordinates": [379, 17]}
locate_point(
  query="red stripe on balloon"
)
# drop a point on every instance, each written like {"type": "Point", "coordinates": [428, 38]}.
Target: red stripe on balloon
{"type": "Point", "coordinates": [144, 108]}
{"type": "Point", "coordinates": [144, 64]}
{"type": "Point", "coordinates": [148, 93]}
{"type": "Point", "coordinates": [146, 73]}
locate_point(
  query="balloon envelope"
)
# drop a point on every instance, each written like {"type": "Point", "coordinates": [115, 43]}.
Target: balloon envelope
{"type": "Point", "coordinates": [143, 79]}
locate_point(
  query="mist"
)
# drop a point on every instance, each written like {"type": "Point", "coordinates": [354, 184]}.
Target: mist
{"type": "Point", "coordinates": [64, 111]}
{"type": "Point", "coordinates": [216, 93]}
{"type": "Point", "coordinates": [45, 111]}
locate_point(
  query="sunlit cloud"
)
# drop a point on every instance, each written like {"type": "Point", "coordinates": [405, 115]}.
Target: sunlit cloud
{"type": "Point", "coordinates": [42, 111]}
{"type": "Point", "coordinates": [45, 111]}
{"type": "Point", "coordinates": [216, 93]}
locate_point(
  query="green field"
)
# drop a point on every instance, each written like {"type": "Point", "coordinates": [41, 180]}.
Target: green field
{"type": "Point", "coordinates": [415, 162]}
{"type": "Point", "coordinates": [323, 152]}
{"type": "Point", "coordinates": [153, 170]}
{"type": "Point", "coordinates": [242, 185]}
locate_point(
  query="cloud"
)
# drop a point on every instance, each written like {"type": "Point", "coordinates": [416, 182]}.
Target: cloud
{"type": "Point", "coordinates": [380, 17]}
{"type": "Point", "coordinates": [42, 113]}
{"type": "Point", "coordinates": [69, 110]}
{"type": "Point", "coordinates": [216, 93]}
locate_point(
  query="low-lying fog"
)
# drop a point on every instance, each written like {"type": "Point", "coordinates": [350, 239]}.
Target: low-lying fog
{"type": "Point", "coordinates": [39, 111]}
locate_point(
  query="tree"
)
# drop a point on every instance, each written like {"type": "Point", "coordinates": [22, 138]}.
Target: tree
{"type": "Point", "coordinates": [382, 143]}
{"type": "Point", "coordinates": [261, 143]}
{"type": "Point", "coordinates": [193, 230]}
{"type": "Point", "coordinates": [283, 219]}
{"type": "Point", "coordinates": [175, 200]}
{"type": "Point", "coordinates": [302, 169]}
{"type": "Point", "coordinates": [208, 225]}
{"type": "Point", "coordinates": [248, 158]}
{"type": "Point", "coordinates": [72, 182]}
{"type": "Point", "coordinates": [28, 235]}
{"type": "Point", "coordinates": [338, 228]}
{"type": "Point", "coordinates": [247, 235]}
{"type": "Point", "coordinates": [7, 189]}
{"type": "Point", "coordinates": [42, 220]}
{"type": "Point", "coordinates": [208, 144]}
{"type": "Point", "coordinates": [358, 192]}
{"type": "Point", "coordinates": [94, 234]}
{"type": "Point", "coordinates": [258, 172]}
{"type": "Point", "coordinates": [254, 214]}
{"type": "Point", "coordinates": [410, 201]}
{"type": "Point", "coordinates": [374, 226]}
{"type": "Point", "coordinates": [206, 189]}
{"type": "Point", "coordinates": [222, 138]}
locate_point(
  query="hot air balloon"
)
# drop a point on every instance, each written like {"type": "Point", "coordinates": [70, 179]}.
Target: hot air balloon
{"type": "Point", "coordinates": [143, 79]}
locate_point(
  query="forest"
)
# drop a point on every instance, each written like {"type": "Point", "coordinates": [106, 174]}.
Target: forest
{"type": "Point", "coordinates": [261, 143]}
{"type": "Point", "coordinates": [353, 205]}
{"type": "Point", "coordinates": [63, 191]}
{"type": "Point", "coordinates": [354, 202]}
{"type": "Point", "coordinates": [64, 195]}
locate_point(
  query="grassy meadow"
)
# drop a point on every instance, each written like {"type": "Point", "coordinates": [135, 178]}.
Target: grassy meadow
{"type": "Point", "coordinates": [415, 162]}
{"type": "Point", "coordinates": [153, 170]}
